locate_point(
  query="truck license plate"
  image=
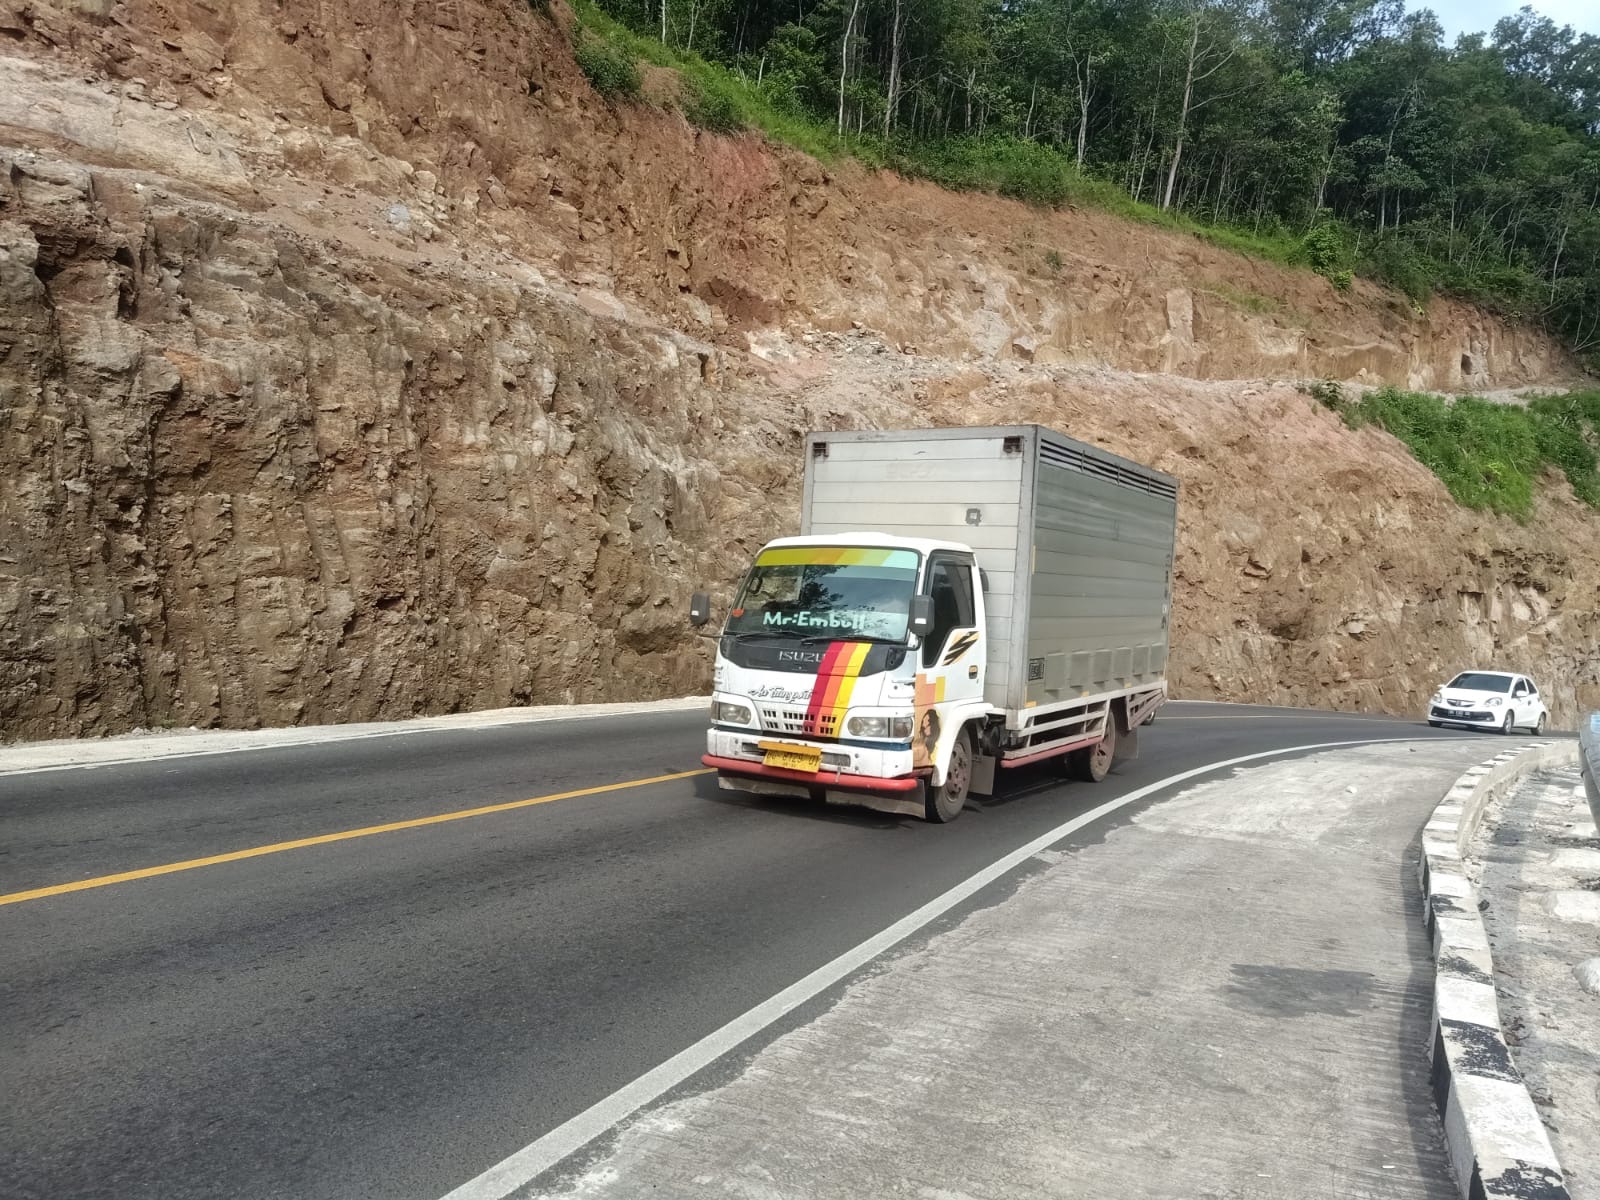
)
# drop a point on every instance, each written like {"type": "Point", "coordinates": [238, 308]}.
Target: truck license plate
{"type": "Point", "coordinates": [791, 758]}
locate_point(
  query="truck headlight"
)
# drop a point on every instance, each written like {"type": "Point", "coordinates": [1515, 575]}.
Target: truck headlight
{"type": "Point", "coordinates": [730, 714]}
{"type": "Point", "coordinates": [880, 727]}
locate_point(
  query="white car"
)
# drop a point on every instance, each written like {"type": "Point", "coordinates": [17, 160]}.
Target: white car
{"type": "Point", "coordinates": [1497, 700]}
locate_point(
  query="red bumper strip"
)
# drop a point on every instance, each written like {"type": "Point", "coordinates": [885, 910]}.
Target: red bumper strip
{"type": "Point", "coordinates": [852, 783]}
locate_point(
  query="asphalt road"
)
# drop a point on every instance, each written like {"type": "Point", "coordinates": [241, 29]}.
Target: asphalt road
{"type": "Point", "coordinates": [389, 1015]}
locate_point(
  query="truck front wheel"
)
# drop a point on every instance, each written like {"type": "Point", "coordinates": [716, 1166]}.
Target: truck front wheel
{"type": "Point", "coordinates": [945, 802]}
{"type": "Point", "coordinates": [1093, 763]}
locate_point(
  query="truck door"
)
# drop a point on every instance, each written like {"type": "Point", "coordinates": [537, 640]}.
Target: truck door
{"type": "Point", "coordinates": [950, 670]}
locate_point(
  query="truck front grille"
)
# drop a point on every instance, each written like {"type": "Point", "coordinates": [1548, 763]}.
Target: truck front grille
{"type": "Point", "coordinates": [794, 720]}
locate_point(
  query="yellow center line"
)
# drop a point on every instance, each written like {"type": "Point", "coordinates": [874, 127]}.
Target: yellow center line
{"type": "Point", "coordinates": [322, 839]}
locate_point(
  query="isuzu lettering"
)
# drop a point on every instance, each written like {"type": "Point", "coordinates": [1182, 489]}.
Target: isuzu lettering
{"type": "Point", "coordinates": [959, 602]}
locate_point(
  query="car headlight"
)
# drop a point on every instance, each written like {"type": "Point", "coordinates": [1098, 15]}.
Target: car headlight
{"type": "Point", "coordinates": [1495, 702]}
{"type": "Point", "coordinates": [880, 727]}
{"type": "Point", "coordinates": [1437, 699]}
{"type": "Point", "coordinates": [730, 714]}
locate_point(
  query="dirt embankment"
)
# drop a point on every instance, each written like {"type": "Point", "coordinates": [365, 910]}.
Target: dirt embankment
{"type": "Point", "coordinates": [359, 363]}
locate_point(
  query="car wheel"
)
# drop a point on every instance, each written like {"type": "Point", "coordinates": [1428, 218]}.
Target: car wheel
{"type": "Point", "coordinates": [1508, 728]}
{"type": "Point", "coordinates": [1434, 725]}
{"type": "Point", "coordinates": [1538, 729]}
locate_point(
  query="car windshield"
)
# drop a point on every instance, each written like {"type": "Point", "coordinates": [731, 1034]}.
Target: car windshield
{"type": "Point", "coordinates": [827, 591]}
{"type": "Point", "coordinates": [1477, 681]}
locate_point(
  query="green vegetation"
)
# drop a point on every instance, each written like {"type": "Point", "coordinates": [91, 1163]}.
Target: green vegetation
{"type": "Point", "coordinates": [1341, 135]}
{"type": "Point", "coordinates": [608, 67]}
{"type": "Point", "coordinates": [1487, 454]}
{"type": "Point", "coordinates": [713, 104]}
{"type": "Point", "coordinates": [718, 93]}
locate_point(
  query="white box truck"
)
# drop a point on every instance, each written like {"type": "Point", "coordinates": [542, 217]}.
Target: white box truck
{"type": "Point", "coordinates": [959, 602]}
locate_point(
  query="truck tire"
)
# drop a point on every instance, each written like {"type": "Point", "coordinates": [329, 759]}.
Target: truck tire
{"type": "Point", "coordinates": [945, 802]}
{"type": "Point", "coordinates": [1093, 763]}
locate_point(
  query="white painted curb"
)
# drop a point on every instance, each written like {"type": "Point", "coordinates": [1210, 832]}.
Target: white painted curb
{"type": "Point", "coordinates": [1498, 1146]}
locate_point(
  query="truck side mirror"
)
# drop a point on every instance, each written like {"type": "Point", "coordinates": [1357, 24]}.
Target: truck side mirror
{"type": "Point", "coordinates": [699, 609]}
{"type": "Point", "coordinates": [921, 621]}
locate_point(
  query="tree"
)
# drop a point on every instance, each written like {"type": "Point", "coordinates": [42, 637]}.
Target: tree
{"type": "Point", "coordinates": [1473, 167]}
{"type": "Point", "coordinates": [1210, 45]}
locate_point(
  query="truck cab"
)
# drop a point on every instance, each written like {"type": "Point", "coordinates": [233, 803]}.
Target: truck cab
{"type": "Point", "coordinates": [847, 669]}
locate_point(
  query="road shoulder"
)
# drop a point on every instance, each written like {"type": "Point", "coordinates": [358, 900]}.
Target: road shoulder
{"type": "Point", "coordinates": [1228, 995]}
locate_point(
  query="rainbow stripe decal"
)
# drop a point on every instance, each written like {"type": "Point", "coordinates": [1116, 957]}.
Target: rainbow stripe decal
{"type": "Point", "coordinates": [836, 681]}
{"type": "Point", "coordinates": [837, 556]}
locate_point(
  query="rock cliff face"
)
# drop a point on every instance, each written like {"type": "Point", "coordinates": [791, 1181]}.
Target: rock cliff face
{"type": "Point", "coordinates": [355, 364]}
{"type": "Point", "coordinates": [249, 481]}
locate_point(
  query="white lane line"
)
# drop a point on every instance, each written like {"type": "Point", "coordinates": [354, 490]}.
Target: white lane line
{"type": "Point", "coordinates": [1291, 715]}
{"type": "Point", "coordinates": [539, 1156]}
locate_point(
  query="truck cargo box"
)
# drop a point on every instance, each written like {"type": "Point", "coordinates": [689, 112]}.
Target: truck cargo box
{"type": "Point", "coordinates": [1075, 545]}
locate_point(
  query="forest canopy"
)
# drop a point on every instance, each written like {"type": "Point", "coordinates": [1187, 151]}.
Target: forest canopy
{"type": "Point", "coordinates": [1345, 133]}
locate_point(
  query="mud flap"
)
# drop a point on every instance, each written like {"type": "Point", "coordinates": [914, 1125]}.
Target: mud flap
{"type": "Point", "coordinates": [896, 803]}
{"type": "Point", "coordinates": [1127, 746]}
{"type": "Point", "coordinates": [983, 769]}
{"type": "Point", "coordinates": [761, 787]}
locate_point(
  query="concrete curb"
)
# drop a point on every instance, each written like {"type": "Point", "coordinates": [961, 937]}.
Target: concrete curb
{"type": "Point", "coordinates": [1498, 1146]}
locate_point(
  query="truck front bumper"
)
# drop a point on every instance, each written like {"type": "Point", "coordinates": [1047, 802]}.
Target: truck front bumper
{"type": "Point", "coordinates": [885, 770]}
{"type": "Point", "coordinates": [831, 780]}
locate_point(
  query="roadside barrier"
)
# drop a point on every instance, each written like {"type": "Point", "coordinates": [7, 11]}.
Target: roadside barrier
{"type": "Point", "coordinates": [1498, 1146]}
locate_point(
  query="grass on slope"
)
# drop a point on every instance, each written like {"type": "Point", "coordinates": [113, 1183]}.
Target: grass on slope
{"type": "Point", "coordinates": [1488, 455]}
{"type": "Point", "coordinates": [725, 100]}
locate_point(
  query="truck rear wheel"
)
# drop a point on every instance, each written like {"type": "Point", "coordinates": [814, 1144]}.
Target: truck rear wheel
{"type": "Point", "coordinates": [1093, 763]}
{"type": "Point", "coordinates": [945, 802]}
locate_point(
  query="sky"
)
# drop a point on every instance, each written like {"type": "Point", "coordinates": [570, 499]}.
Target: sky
{"type": "Point", "coordinates": [1479, 16]}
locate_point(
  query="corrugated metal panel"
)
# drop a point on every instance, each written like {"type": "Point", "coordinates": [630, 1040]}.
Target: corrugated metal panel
{"type": "Point", "coordinates": [921, 485]}
{"type": "Point", "coordinates": [1101, 588]}
{"type": "Point", "coordinates": [1087, 461]}
{"type": "Point", "coordinates": [1076, 542]}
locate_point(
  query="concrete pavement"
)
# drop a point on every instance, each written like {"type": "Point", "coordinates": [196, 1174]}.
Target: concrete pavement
{"type": "Point", "coordinates": [1227, 997]}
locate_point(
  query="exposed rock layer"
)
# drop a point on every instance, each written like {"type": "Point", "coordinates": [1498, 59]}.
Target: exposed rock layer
{"type": "Point", "coordinates": [346, 373]}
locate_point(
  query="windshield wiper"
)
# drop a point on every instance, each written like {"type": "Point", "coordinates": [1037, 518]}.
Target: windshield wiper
{"type": "Point", "coordinates": [855, 637]}
{"type": "Point", "coordinates": [816, 639]}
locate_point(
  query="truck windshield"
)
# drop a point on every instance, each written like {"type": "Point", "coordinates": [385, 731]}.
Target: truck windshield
{"type": "Point", "coordinates": [827, 591]}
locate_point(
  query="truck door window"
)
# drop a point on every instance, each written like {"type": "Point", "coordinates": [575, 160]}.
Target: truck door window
{"type": "Point", "coordinates": [950, 586]}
